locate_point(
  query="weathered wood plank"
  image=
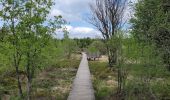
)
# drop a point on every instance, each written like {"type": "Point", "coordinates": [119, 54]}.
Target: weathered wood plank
{"type": "Point", "coordinates": [82, 86]}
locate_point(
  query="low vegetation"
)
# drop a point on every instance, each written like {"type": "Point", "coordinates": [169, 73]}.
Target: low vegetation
{"type": "Point", "coordinates": [144, 83]}
{"type": "Point", "coordinates": [141, 83]}
{"type": "Point", "coordinates": [104, 81]}
{"type": "Point", "coordinates": [35, 65]}
{"type": "Point", "coordinates": [53, 82]}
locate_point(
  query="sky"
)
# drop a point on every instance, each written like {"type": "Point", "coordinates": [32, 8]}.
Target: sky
{"type": "Point", "coordinates": [76, 13]}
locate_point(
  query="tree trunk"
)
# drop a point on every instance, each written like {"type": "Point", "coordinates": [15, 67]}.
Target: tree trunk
{"type": "Point", "coordinates": [29, 89]}
{"type": "Point", "coordinates": [111, 57]}
{"type": "Point", "coordinates": [120, 82]}
{"type": "Point", "coordinates": [28, 76]}
{"type": "Point", "coordinates": [16, 64]}
{"type": "Point", "coordinates": [19, 82]}
{"type": "Point", "coordinates": [16, 57]}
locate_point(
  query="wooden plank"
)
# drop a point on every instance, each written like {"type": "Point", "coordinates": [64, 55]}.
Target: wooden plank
{"type": "Point", "coordinates": [82, 86]}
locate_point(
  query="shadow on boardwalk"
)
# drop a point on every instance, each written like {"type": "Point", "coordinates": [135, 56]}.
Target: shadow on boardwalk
{"type": "Point", "coordinates": [82, 86]}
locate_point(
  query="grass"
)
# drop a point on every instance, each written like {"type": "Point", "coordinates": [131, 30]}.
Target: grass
{"type": "Point", "coordinates": [147, 82]}
{"type": "Point", "coordinates": [103, 80]}
{"type": "Point", "coordinates": [144, 82]}
{"type": "Point", "coordinates": [50, 83]}
{"type": "Point", "coordinates": [54, 82]}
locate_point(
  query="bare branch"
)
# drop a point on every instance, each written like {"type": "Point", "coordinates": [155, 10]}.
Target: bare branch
{"type": "Point", "coordinates": [107, 16]}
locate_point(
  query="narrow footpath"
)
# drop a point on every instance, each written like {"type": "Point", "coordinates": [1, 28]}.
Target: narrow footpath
{"type": "Point", "coordinates": [82, 88]}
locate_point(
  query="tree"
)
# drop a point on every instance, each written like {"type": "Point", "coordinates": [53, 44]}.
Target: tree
{"type": "Point", "coordinates": [36, 34]}
{"type": "Point", "coordinates": [107, 17]}
{"type": "Point", "coordinates": [99, 45]}
{"type": "Point", "coordinates": [26, 26]}
{"type": "Point", "coordinates": [151, 25]}
{"type": "Point", "coordinates": [68, 44]}
{"type": "Point", "coordinates": [84, 42]}
{"type": "Point", "coordinates": [10, 14]}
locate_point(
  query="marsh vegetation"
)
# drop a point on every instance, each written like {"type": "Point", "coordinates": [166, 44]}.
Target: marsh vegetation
{"type": "Point", "coordinates": [133, 63]}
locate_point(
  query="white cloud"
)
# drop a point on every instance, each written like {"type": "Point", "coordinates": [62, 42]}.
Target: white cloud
{"type": "Point", "coordinates": [83, 29]}
{"type": "Point", "coordinates": [129, 11]}
{"type": "Point", "coordinates": [80, 32]}
{"type": "Point", "coordinates": [71, 10]}
{"type": "Point", "coordinates": [134, 1]}
{"type": "Point", "coordinates": [75, 11]}
{"type": "Point", "coordinates": [55, 12]}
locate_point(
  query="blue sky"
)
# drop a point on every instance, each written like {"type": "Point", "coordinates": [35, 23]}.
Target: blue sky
{"type": "Point", "coordinates": [76, 13]}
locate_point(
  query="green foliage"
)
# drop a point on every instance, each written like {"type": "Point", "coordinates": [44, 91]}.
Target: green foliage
{"type": "Point", "coordinates": [101, 76]}
{"type": "Point", "coordinates": [83, 43]}
{"type": "Point", "coordinates": [55, 81]}
{"type": "Point", "coordinates": [151, 24]}
{"type": "Point", "coordinates": [92, 49]}
{"type": "Point", "coordinates": [97, 46]}
{"type": "Point", "coordinates": [60, 75]}
{"type": "Point", "coordinates": [144, 67]}
{"type": "Point", "coordinates": [147, 51]}
{"type": "Point", "coordinates": [25, 38]}
{"type": "Point", "coordinates": [68, 45]}
{"type": "Point", "coordinates": [146, 82]}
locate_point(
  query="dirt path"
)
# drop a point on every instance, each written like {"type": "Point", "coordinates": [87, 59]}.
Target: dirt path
{"type": "Point", "coordinates": [82, 86]}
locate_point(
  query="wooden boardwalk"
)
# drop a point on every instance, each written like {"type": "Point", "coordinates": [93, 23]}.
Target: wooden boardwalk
{"type": "Point", "coordinates": [82, 86]}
